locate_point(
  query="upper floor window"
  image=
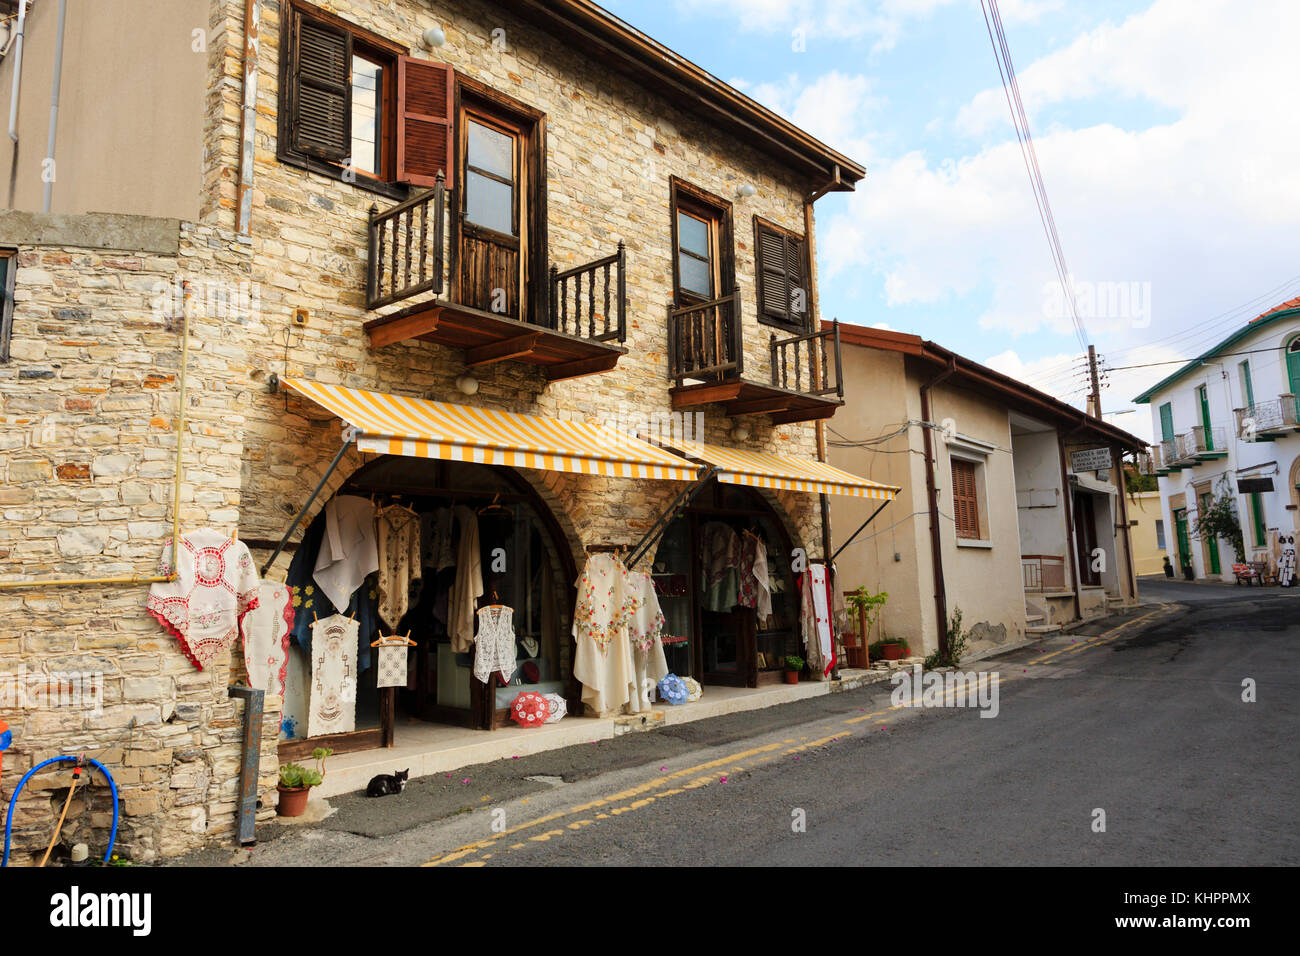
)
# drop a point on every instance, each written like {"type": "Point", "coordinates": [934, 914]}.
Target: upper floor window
{"type": "Point", "coordinates": [703, 262]}
{"type": "Point", "coordinates": [1247, 387]}
{"type": "Point", "coordinates": [353, 106]}
{"type": "Point", "coordinates": [783, 292]}
{"type": "Point", "coordinates": [8, 268]}
{"type": "Point", "coordinates": [1167, 422]}
{"type": "Point", "coordinates": [965, 498]}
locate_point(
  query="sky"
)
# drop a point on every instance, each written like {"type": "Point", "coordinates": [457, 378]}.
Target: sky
{"type": "Point", "coordinates": [1167, 135]}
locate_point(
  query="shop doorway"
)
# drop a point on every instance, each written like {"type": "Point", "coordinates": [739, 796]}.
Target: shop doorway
{"type": "Point", "coordinates": [525, 564]}
{"type": "Point", "coordinates": [1085, 537]}
{"type": "Point", "coordinates": [710, 633]}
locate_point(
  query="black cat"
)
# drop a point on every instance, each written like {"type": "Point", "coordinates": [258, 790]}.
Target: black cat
{"type": "Point", "coordinates": [385, 783]}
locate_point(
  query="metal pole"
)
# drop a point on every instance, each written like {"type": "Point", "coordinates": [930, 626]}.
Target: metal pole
{"type": "Point", "coordinates": [18, 69]}
{"type": "Point", "coordinates": [54, 109]}
{"type": "Point", "coordinates": [1096, 387]}
{"type": "Point", "coordinates": [682, 500]}
{"type": "Point", "coordinates": [860, 530]}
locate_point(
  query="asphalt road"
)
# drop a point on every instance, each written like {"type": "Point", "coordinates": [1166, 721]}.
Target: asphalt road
{"type": "Point", "coordinates": [1145, 722]}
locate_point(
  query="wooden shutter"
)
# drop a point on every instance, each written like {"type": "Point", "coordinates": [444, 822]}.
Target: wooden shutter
{"type": "Point", "coordinates": [965, 501]}
{"type": "Point", "coordinates": [320, 77]}
{"type": "Point", "coordinates": [424, 111]}
{"type": "Point", "coordinates": [781, 276]}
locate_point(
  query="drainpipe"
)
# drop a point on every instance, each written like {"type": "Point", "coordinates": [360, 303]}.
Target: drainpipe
{"type": "Point", "coordinates": [248, 124]}
{"type": "Point", "coordinates": [932, 495]}
{"type": "Point", "coordinates": [54, 107]}
{"type": "Point", "coordinates": [18, 71]}
{"type": "Point", "coordinates": [1071, 550]}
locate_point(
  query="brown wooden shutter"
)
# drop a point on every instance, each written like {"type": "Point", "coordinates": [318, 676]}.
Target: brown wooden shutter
{"type": "Point", "coordinates": [796, 282]}
{"type": "Point", "coordinates": [320, 75]}
{"type": "Point", "coordinates": [965, 501]}
{"type": "Point", "coordinates": [773, 287]}
{"type": "Point", "coordinates": [424, 112]}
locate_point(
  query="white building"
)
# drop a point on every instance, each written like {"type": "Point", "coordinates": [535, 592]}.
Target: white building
{"type": "Point", "coordinates": [1226, 423]}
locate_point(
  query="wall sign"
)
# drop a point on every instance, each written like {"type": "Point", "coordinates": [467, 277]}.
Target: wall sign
{"type": "Point", "coordinates": [1090, 459]}
{"type": "Point", "coordinates": [1246, 486]}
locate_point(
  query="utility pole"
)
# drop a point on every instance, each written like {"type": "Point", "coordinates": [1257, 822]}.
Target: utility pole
{"type": "Point", "coordinates": [1096, 387]}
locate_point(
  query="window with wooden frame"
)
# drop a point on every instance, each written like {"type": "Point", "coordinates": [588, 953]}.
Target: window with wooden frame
{"type": "Point", "coordinates": [965, 498]}
{"type": "Point", "coordinates": [703, 256]}
{"type": "Point", "coordinates": [354, 106]}
{"type": "Point", "coordinates": [8, 271]}
{"type": "Point", "coordinates": [783, 277]}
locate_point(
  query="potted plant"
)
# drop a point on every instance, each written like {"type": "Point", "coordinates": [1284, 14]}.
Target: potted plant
{"type": "Point", "coordinates": [867, 607]}
{"type": "Point", "coordinates": [296, 782]}
{"type": "Point", "coordinates": [889, 649]}
{"type": "Point", "coordinates": [793, 665]}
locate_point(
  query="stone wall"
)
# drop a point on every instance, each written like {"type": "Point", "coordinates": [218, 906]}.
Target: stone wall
{"type": "Point", "coordinates": [88, 414]}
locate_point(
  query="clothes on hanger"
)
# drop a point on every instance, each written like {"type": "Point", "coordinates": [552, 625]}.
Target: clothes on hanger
{"type": "Point", "coordinates": [755, 583]}
{"type": "Point", "coordinates": [815, 621]}
{"type": "Point", "coordinates": [400, 565]}
{"type": "Point", "coordinates": [436, 539]}
{"type": "Point", "coordinates": [348, 550]}
{"type": "Point", "coordinates": [468, 586]}
{"type": "Point", "coordinates": [216, 585]}
{"type": "Point", "coordinates": [333, 704]}
{"type": "Point", "coordinates": [721, 565]}
{"type": "Point", "coordinates": [495, 649]}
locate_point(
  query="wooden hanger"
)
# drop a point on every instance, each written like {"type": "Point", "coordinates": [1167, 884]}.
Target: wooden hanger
{"type": "Point", "coordinates": [394, 640]}
{"type": "Point", "coordinates": [494, 507]}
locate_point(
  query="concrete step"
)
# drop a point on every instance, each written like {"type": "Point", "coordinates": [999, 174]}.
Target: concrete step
{"type": "Point", "coordinates": [1034, 618]}
{"type": "Point", "coordinates": [1042, 630]}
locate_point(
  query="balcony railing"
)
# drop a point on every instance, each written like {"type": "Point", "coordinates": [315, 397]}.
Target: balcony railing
{"type": "Point", "coordinates": [704, 340]}
{"type": "Point", "coordinates": [1175, 451]}
{"type": "Point", "coordinates": [1202, 441]}
{"type": "Point", "coordinates": [1042, 572]}
{"type": "Point", "coordinates": [602, 313]}
{"type": "Point", "coordinates": [816, 355]}
{"type": "Point", "coordinates": [1148, 462]}
{"type": "Point", "coordinates": [406, 248]}
{"type": "Point", "coordinates": [1268, 418]}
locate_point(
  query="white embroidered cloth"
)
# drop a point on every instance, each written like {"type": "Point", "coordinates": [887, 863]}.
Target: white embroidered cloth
{"type": "Point", "coordinates": [348, 551]}
{"type": "Point", "coordinates": [558, 707]}
{"type": "Point", "coordinates": [266, 638]}
{"type": "Point", "coordinates": [216, 586]}
{"type": "Point", "coordinates": [645, 630]}
{"type": "Point", "coordinates": [399, 561]}
{"type": "Point", "coordinates": [392, 665]}
{"type": "Point", "coordinates": [603, 658]}
{"type": "Point", "coordinates": [496, 643]}
{"type": "Point", "coordinates": [333, 706]}
{"type": "Point", "coordinates": [815, 622]}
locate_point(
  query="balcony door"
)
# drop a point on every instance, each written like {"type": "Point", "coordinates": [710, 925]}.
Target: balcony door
{"type": "Point", "coordinates": [498, 233]}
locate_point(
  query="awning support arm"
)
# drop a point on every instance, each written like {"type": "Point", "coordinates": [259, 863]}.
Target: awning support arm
{"type": "Point", "coordinates": [860, 530]}
{"type": "Point", "coordinates": [667, 516]}
{"type": "Point", "coordinates": [349, 435]}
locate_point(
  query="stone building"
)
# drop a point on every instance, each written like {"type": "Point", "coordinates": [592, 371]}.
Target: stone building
{"type": "Point", "coordinates": [512, 206]}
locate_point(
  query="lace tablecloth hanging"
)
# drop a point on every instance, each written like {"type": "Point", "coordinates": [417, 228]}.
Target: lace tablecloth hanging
{"type": "Point", "coordinates": [393, 655]}
{"type": "Point", "coordinates": [216, 585]}
{"type": "Point", "coordinates": [266, 638]}
{"type": "Point", "coordinates": [495, 645]}
{"type": "Point", "coordinates": [815, 621]}
{"type": "Point", "coordinates": [399, 561]}
{"type": "Point", "coordinates": [645, 631]}
{"type": "Point", "coordinates": [603, 654]}
{"type": "Point", "coordinates": [333, 706]}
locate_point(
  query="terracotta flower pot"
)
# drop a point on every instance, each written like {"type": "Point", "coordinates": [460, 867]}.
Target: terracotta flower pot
{"type": "Point", "coordinates": [293, 800]}
{"type": "Point", "coordinates": [792, 677]}
{"type": "Point", "coordinates": [893, 652]}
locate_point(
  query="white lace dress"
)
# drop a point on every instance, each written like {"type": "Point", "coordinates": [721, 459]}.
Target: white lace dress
{"type": "Point", "coordinates": [645, 632]}
{"type": "Point", "coordinates": [495, 644]}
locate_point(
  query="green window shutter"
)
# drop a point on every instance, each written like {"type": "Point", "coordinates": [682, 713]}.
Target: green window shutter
{"type": "Point", "coordinates": [1167, 422]}
{"type": "Point", "coordinates": [320, 77]}
{"type": "Point", "coordinates": [1293, 368]}
{"type": "Point", "coordinates": [1247, 388]}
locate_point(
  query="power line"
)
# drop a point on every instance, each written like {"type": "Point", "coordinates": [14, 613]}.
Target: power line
{"type": "Point", "coordinates": [1011, 89]}
{"type": "Point", "coordinates": [1184, 361]}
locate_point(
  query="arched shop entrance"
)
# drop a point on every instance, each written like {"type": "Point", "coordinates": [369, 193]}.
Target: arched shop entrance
{"type": "Point", "coordinates": [709, 633]}
{"type": "Point", "coordinates": [526, 563]}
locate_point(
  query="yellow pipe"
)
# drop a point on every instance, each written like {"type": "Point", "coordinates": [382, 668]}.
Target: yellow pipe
{"type": "Point", "coordinates": [176, 490]}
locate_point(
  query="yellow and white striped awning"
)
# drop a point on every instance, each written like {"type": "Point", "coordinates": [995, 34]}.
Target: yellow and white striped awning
{"type": "Point", "coordinates": [419, 428]}
{"type": "Point", "coordinates": [766, 470]}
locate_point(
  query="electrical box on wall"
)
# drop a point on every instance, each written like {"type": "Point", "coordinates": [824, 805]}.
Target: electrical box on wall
{"type": "Point", "coordinates": [300, 317]}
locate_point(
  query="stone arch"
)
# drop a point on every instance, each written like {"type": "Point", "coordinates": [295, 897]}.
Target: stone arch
{"type": "Point", "coordinates": [1293, 493]}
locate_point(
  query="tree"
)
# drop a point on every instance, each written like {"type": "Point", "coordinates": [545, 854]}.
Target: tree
{"type": "Point", "coordinates": [1219, 520]}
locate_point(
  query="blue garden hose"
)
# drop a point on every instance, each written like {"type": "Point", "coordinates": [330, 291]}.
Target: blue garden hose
{"type": "Point", "coordinates": [112, 784]}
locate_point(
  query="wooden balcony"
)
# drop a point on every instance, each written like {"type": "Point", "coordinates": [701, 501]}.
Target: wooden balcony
{"type": "Point", "coordinates": [580, 333]}
{"type": "Point", "coordinates": [706, 361]}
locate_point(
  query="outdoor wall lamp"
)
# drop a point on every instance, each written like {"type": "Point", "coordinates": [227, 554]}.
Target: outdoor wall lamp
{"type": "Point", "coordinates": [467, 383]}
{"type": "Point", "coordinates": [433, 37]}
{"type": "Point", "coordinates": [740, 432]}
{"type": "Point", "coordinates": [744, 190]}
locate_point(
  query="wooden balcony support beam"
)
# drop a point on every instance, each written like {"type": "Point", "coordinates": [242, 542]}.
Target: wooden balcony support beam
{"type": "Point", "coordinates": [580, 367]}
{"type": "Point", "coordinates": [501, 351]}
{"type": "Point", "coordinates": [407, 327]}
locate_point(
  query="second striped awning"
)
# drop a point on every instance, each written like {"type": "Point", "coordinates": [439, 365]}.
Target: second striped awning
{"type": "Point", "coordinates": [769, 470]}
{"type": "Point", "coordinates": [420, 428]}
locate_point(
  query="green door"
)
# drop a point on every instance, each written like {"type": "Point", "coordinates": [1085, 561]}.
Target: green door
{"type": "Point", "coordinates": [1293, 365]}
{"type": "Point", "coordinates": [1257, 513]}
{"type": "Point", "coordinates": [1247, 387]}
{"type": "Point", "coordinates": [1205, 417]}
{"type": "Point", "coordinates": [1212, 546]}
{"type": "Point", "coordinates": [1166, 422]}
{"type": "Point", "coordinates": [1184, 539]}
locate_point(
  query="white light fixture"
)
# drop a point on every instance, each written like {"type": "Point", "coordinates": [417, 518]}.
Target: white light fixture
{"type": "Point", "coordinates": [433, 37]}
{"type": "Point", "coordinates": [740, 432]}
{"type": "Point", "coordinates": [744, 190]}
{"type": "Point", "coordinates": [467, 383]}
